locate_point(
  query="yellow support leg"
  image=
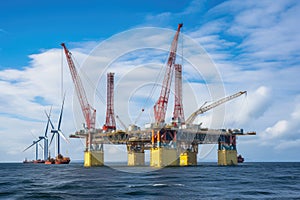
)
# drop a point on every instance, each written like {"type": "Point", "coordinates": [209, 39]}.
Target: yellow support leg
{"type": "Point", "coordinates": [136, 158]}
{"type": "Point", "coordinates": [162, 157]}
{"type": "Point", "coordinates": [188, 158]}
{"type": "Point", "coordinates": [227, 157]}
{"type": "Point", "coordinates": [93, 158]}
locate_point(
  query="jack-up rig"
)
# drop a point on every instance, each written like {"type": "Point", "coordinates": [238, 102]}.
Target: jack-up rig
{"type": "Point", "coordinates": [174, 144]}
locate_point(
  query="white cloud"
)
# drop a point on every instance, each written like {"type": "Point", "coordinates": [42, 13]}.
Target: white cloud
{"type": "Point", "coordinates": [254, 45]}
{"type": "Point", "coordinates": [268, 30]}
{"type": "Point", "coordinates": [245, 110]}
{"type": "Point", "coordinates": [162, 18]}
{"type": "Point", "coordinates": [194, 7]}
{"type": "Point", "coordinates": [136, 57]}
{"type": "Point", "coordinates": [258, 103]}
{"type": "Point", "coordinates": [278, 130]}
{"type": "Point", "coordinates": [288, 145]}
{"type": "Point", "coordinates": [256, 48]}
{"type": "Point", "coordinates": [25, 94]}
{"type": "Point", "coordinates": [286, 129]}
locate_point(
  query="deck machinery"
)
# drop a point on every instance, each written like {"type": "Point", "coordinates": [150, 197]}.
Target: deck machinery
{"type": "Point", "coordinates": [170, 146]}
{"type": "Point", "coordinates": [174, 144]}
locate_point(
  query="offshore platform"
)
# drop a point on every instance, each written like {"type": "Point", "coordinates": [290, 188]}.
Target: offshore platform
{"type": "Point", "coordinates": [170, 144]}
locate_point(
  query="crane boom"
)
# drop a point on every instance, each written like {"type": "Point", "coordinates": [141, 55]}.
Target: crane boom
{"type": "Point", "coordinates": [121, 122]}
{"type": "Point", "coordinates": [161, 105]}
{"type": "Point", "coordinates": [89, 113]}
{"type": "Point", "coordinates": [202, 109]}
{"type": "Point", "coordinates": [178, 113]}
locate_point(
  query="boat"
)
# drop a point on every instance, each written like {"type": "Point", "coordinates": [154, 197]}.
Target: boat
{"type": "Point", "coordinates": [50, 161]}
{"type": "Point", "coordinates": [62, 160]}
{"type": "Point", "coordinates": [27, 161]}
{"type": "Point", "coordinates": [240, 159]}
{"type": "Point", "coordinates": [39, 161]}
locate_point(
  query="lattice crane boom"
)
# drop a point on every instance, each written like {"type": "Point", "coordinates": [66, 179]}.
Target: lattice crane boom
{"type": "Point", "coordinates": [178, 113]}
{"type": "Point", "coordinates": [202, 109]}
{"type": "Point", "coordinates": [121, 122]}
{"type": "Point", "coordinates": [89, 112]}
{"type": "Point", "coordinates": [110, 122]}
{"type": "Point", "coordinates": [161, 105]}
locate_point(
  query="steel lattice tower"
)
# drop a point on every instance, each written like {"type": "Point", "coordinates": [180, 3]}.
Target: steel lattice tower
{"type": "Point", "coordinates": [110, 122]}
{"type": "Point", "coordinates": [178, 106]}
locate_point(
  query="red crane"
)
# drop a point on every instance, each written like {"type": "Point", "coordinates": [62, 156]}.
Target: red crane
{"type": "Point", "coordinates": [161, 105]}
{"type": "Point", "coordinates": [88, 111]}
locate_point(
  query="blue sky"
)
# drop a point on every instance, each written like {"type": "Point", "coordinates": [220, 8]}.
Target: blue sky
{"type": "Point", "coordinates": [43, 25]}
{"type": "Point", "coordinates": [255, 46]}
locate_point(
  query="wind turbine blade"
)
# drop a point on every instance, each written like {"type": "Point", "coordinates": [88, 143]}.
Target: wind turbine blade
{"type": "Point", "coordinates": [41, 146]}
{"type": "Point", "coordinates": [61, 113]}
{"type": "Point", "coordinates": [34, 142]}
{"type": "Point", "coordinates": [34, 135]}
{"type": "Point", "coordinates": [52, 126]}
{"type": "Point", "coordinates": [51, 138]}
{"type": "Point", "coordinates": [63, 136]}
{"type": "Point", "coordinates": [42, 138]}
{"type": "Point", "coordinates": [28, 147]}
{"type": "Point", "coordinates": [46, 130]}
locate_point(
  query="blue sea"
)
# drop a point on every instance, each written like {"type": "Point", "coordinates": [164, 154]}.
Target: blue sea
{"type": "Point", "coordinates": [205, 181]}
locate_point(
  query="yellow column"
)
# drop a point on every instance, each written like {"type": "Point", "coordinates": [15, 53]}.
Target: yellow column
{"type": "Point", "coordinates": [136, 154]}
{"type": "Point", "coordinates": [188, 158]}
{"type": "Point", "coordinates": [162, 157]}
{"type": "Point", "coordinates": [227, 157]}
{"type": "Point", "coordinates": [93, 158]}
{"type": "Point", "coordinates": [136, 158]}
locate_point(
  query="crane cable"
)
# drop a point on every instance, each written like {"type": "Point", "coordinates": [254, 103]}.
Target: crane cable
{"type": "Point", "coordinates": [102, 99]}
{"type": "Point", "coordinates": [62, 73]}
{"type": "Point", "coordinates": [85, 76]}
{"type": "Point", "coordinates": [154, 87]}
